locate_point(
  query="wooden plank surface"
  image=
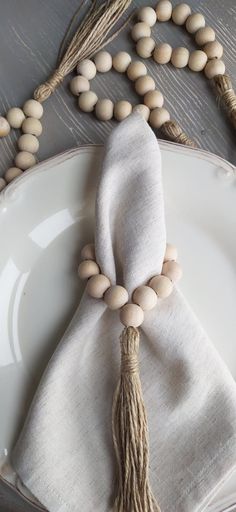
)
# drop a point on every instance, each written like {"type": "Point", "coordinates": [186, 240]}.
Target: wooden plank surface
{"type": "Point", "coordinates": [31, 32]}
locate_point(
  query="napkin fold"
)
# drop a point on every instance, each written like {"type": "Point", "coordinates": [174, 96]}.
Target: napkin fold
{"type": "Point", "coordinates": [65, 453]}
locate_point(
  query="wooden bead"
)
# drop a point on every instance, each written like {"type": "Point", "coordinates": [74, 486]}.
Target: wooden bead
{"type": "Point", "coordinates": [122, 110]}
{"type": "Point", "coordinates": [140, 30]}
{"type": "Point", "coordinates": [194, 22]}
{"type": "Point", "coordinates": [116, 296]}
{"type": "Point", "coordinates": [144, 84]}
{"type": "Point", "coordinates": [87, 69]}
{"type": "Point", "coordinates": [214, 50]}
{"type": "Point", "coordinates": [143, 110]}
{"type": "Point", "coordinates": [28, 142]}
{"type": "Point", "coordinates": [87, 269]}
{"type": "Point", "coordinates": [171, 253]}
{"type": "Point", "coordinates": [33, 108]}
{"type": "Point", "coordinates": [180, 14]}
{"type": "Point", "coordinates": [131, 315]}
{"type": "Point", "coordinates": [24, 160]}
{"type": "Point", "coordinates": [87, 101]}
{"type": "Point", "coordinates": [205, 35]}
{"type": "Point", "coordinates": [180, 57]}
{"type": "Point", "coordinates": [33, 126]}
{"type": "Point", "coordinates": [172, 270]}
{"type": "Point", "coordinates": [136, 69]}
{"type": "Point", "coordinates": [145, 297]}
{"type": "Point", "coordinates": [154, 99]}
{"type": "Point", "coordinates": [214, 67]}
{"type": "Point", "coordinates": [162, 286]}
{"type": "Point", "coordinates": [148, 15]}
{"type": "Point", "coordinates": [4, 127]}
{"type": "Point", "coordinates": [103, 61]}
{"type": "Point", "coordinates": [88, 252]}
{"type": "Point", "coordinates": [162, 53]}
{"type": "Point", "coordinates": [15, 117]}
{"type": "Point", "coordinates": [164, 10]}
{"type": "Point", "coordinates": [158, 117]}
{"type": "Point", "coordinates": [104, 109]}
{"type": "Point", "coordinates": [12, 173]}
{"type": "Point", "coordinates": [145, 47]}
{"type": "Point", "coordinates": [2, 184]}
{"type": "Point", "coordinates": [197, 60]}
{"type": "Point", "coordinates": [121, 62]}
{"type": "Point", "coordinates": [97, 286]}
{"type": "Point", "coordinates": [79, 84]}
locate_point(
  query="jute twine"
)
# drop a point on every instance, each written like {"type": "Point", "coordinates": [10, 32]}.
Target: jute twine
{"type": "Point", "coordinates": [226, 96]}
{"type": "Point", "coordinates": [173, 131]}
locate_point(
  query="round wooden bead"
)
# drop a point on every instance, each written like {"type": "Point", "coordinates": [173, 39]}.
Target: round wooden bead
{"type": "Point", "coordinates": [116, 296]}
{"type": "Point", "coordinates": [205, 35]}
{"type": "Point", "coordinates": [148, 15]}
{"type": "Point", "coordinates": [180, 14]}
{"type": "Point", "coordinates": [162, 53]}
{"type": "Point", "coordinates": [171, 253]}
{"type": "Point", "coordinates": [145, 47]}
{"type": "Point", "coordinates": [172, 270]}
{"type": "Point", "coordinates": [214, 67]}
{"type": "Point", "coordinates": [33, 108]}
{"type": "Point", "coordinates": [104, 109]}
{"type": "Point", "coordinates": [103, 61]}
{"type": "Point", "coordinates": [162, 286]}
{"type": "Point", "coordinates": [180, 57]}
{"type": "Point", "coordinates": [131, 315]}
{"type": "Point", "coordinates": [97, 286]}
{"type": "Point", "coordinates": [121, 62]}
{"type": "Point", "coordinates": [153, 99]}
{"type": "Point", "coordinates": [24, 160]}
{"type": "Point", "coordinates": [4, 127]}
{"type": "Point", "coordinates": [2, 184]}
{"type": "Point", "coordinates": [122, 110]}
{"type": "Point", "coordinates": [88, 252]}
{"type": "Point", "coordinates": [164, 10]}
{"type": "Point", "coordinates": [158, 117]}
{"type": "Point", "coordinates": [143, 110]}
{"type": "Point", "coordinates": [28, 142]}
{"type": "Point", "coordinates": [12, 173]}
{"type": "Point", "coordinates": [145, 297]}
{"type": "Point", "coordinates": [15, 117]}
{"type": "Point", "coordinates": [136, 69]}
{"type": "Point", "coordinates": [194, 22]}
{"type": "Point", "coordinates": [87, 269]}
{"type": "Point", "coordinates": [144, 84]}
{"type": "Point", "coordinates": [79, 84]}
{"type": "Point", "coordinates": [87, 69]}
{"type": "Point", "coordinates": [214, 50]}
{"type": "Point", "coordinates": [140, 30]}
{"type": "Point", "coordinates": [33, 126]}
{"type": "Point", "coordinates": [87, 101]}
{"type": "Point", "coordinates": [197, 60]}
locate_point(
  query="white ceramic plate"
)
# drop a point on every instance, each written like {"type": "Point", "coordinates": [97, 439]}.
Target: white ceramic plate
{"type": "Point", "coordinates": [45, 218]}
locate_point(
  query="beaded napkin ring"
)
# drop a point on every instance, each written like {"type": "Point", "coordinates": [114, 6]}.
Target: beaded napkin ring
{"type": "Point", "coordinates": [129, 419]}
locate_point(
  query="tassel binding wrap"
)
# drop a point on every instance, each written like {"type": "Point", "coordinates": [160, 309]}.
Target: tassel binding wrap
{"type": "Point", "coordinates": [130, 432]}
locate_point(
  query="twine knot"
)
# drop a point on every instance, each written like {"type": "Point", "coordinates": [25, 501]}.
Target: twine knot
{"type": "Point", "coordinates": [174, 132]}
{"type": "Point", "coordinates": [45, 90]}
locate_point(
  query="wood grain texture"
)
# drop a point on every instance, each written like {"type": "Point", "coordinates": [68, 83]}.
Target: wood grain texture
{"type": "Point", "coordinates": [31, 32]}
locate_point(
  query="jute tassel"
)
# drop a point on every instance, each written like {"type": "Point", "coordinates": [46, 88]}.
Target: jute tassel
{"type": "Point", "coordinates": [226, 96]}
{"type": "Point", "coordinates": [90, 37]}
{"type": "Point", "coordinates": [173, 131]}
{"type": "Point", "coordinates": [130, 433]}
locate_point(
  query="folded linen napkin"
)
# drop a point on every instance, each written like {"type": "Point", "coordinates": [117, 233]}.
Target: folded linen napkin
{"type": "Point", "coordinates": [65, 453]}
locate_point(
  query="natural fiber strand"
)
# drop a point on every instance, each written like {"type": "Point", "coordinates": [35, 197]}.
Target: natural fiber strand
{"type": "Point", "coordinates": [226, 96]}
{"type": "Point", "coordinates": [130, 433]}
{"type": "Point", "coordinates": [89, 38]}
{"type": "Point", "coordinates": [173, 131]}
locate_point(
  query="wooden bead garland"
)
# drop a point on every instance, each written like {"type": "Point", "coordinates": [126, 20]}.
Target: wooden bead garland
{"type": "Point", "coordinates": [144, 298]}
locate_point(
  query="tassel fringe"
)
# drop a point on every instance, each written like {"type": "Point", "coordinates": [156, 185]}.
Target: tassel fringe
{"type": "Point", "coordinates": [130, 433]}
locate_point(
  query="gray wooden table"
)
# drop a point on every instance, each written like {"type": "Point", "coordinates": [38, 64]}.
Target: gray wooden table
{"type": "Point", "coordinates": [31, 32]}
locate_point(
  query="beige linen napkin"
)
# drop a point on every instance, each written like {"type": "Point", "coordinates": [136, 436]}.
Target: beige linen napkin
{"type": "Point", "coordinates": [65, 453]}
